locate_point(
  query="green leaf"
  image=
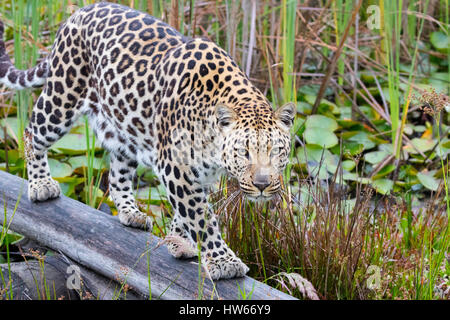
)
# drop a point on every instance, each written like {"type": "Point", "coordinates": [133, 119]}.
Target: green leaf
{"type": "Point", "coordinates": [11, 237]}
{"type": "Point", "coordinates": [443, 149]}
{"type": "Point", "coordinates": [385, 171]}
{"type": "Point", "coordinates": [375, 157]}
{"type": "Point", "coordinates": [439, 81]}
{"type": "Point", "coordinates": [320, 137]}
{"type": "Point", "coordinates": [353, 148]}
{"type": "Point", "coordinates": [420, 144]}
{"type": "Point", "coordinates": [304, 107]}
{"type": "Point", "coordinates": [420, 128]}
{"type": "Point", "coordinates": [157, 194]}
{"type": "Point", "coordinates": [81, 161]}
{"type": "Point", "coordinates": [68, 184]}
{"type": "Point", "coordinates": [310, 98]}
{"type": "Point", "coordinates": [322, 122]}
{"type": "Point", "coordinates": [378, 140]}
{"type": "Point", "coordinates": [440, 41]}
{"type": "Point", "coordinates": [367, 77]}
{"type": "Point", "coordinates": [330, 106]}
{"type": "Point", "coordinates": [59, 169]}
{"type": "Point", "coordinates": [428, 181]}
{"type": "Point", "coordinates": [319, 172]}
{"type": "Point", "coordinates": [73, 144]}
{"type": "Point", "coordinates": [361, 137]}
{"type": "Point", "coordinates": [311, 89]}
{"type": "Point", "coordinates": [446, 145]}
{"type": "Point", "coordinates": [348, 165]}
{"type": "Point", "coordinates": [354, 177]}
{"type": "Point", "coordinates": [316, 155]}
{"type": "Point", "coordinates": [369, 112]}
{"type": "Point", "coordinates": [12, 127]}
{"type": "Point", "coordinates": [350, 124]}
{"type": "Point", "coordinates": [383, 186]}
{"type": "Point", "coordinates": [13, 155]}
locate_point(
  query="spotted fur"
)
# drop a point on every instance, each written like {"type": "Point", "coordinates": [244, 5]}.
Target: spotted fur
{"type": "Point", "coordinates": [154, 97]}
{"type": "Point", "coordinates": [18, 79]}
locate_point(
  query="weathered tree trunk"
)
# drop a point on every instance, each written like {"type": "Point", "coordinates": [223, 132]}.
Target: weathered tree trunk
{"type": "Point", "coordinates": [39, 276]}
{"type": "Point", "coordinates": [101, 244]}
{"type": "Point", "coordinates": [32, 281]}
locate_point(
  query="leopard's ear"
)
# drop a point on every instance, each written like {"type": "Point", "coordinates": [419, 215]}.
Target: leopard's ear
{"type": "Point", "coordinates": [225, 116]}
{"type": "Point", "coordinates": [285, 115]}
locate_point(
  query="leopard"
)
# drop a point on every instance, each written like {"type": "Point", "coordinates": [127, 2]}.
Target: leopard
{"type": "Point", "coordinates": [154, 97]}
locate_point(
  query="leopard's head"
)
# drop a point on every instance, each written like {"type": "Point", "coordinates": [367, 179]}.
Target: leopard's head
{"type": "Point", "coordinates": [256, 147]}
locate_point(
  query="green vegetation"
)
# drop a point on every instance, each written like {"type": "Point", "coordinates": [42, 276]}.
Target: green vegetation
{"type": "Point", "coordinates": [364, 209]}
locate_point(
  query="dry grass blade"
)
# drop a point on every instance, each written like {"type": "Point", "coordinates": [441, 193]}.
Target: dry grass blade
{"type": "Point", "coordinates": [296, 281]}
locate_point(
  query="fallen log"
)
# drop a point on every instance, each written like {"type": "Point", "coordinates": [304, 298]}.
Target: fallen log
{"type": "Point", "coordinates": [29, 280]}
{"type": "Point", "coordinates": [103, 245]}
{"type": "Point", "coordinates": [43, 277]}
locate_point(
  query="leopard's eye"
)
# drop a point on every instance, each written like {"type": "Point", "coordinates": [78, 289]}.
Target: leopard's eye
{"type": "Point", "coordinates": [275, 151]}
{"type": "Point", "coordinates": [242, 152]}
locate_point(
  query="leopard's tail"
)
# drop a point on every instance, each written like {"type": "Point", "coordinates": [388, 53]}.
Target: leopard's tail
{"type": "Point", "coordinates": [20, 79]}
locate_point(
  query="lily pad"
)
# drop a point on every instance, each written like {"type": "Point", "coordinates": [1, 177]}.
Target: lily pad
{"type": "Point", "coordinates": [73, 144]}
{"type": "Point", "coordinates": [13, 156]}
{"type": "Point", "coordinates": [155, 194]}
{"type": "Point", "coordinates": [319, 131]}
{"type": "Point", "coordinates": [428, 181]}
{"type": "Point", "coordinates": [317, 171]}
{"type": "Point", "coordinates": [304, 107]}
{"type": "Point", "coordinates": [12, 127]}
{"type": "Point", "coordinates": [353, 148]}
{"type": "Point", "coordinates": [375, 157]}
{"type": "Point", "coordinates": [348, 165]}
{"type": "Point", "coordinates": [81, 161]}
{"type": "Point", "coordinates": [440, 41]}
{"type": "Point", "coordinates": [385, 171]}
{"type": "Point", "coordinates": [439, 81]}
{"type": "Point", "coordinates": [362, 137]}
{"type": "Point", "coordinates": [59, 169]}
{"type": "Point", "coordinates": [383, 186]}
{"type": "Point", "coordinates": [68, 184]}
{"type": "Point", "coordinates": [350, 124]}
{"type": "Point", "coordinates": [320, 137]}
{"type": "Point", "coordinates": [312, 89]}
{"type": "Point", "coordinates": [322, 122]}
{"type": "Point", "coordinates": [420, 144]}
{"type": "Point", "coordinates": [315, 156]}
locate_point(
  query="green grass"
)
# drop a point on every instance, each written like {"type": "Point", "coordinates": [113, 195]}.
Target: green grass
{"type": "Point", "coordinates": [93, 194]}
{"type": "Point", "coordinates": [288, 48]}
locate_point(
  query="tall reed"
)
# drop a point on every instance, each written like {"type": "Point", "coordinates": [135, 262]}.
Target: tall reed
{"type": "Point", "coordinates": [289, 11]}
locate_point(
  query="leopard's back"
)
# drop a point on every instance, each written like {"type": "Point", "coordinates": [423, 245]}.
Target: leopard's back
{"type": "Point", "coordinates": [109, 55]}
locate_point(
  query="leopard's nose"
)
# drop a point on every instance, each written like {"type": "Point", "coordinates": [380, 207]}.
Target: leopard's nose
{"type": "Point", "coordinates": [261, 180]}
{"type": "Point", "coordinates": [261, 186]}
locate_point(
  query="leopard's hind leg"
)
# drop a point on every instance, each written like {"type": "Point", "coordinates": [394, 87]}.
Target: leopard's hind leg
{"type": "Point", "coordinates": [41, 186]}
{"type": "Point", "coordinates": [62, 101]}
{"type": "Point", "coordinates": [49, 122]}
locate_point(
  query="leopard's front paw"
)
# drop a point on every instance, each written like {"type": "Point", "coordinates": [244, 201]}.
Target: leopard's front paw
{"type": "Point", "coordinates": [225, 267]}
{"type": "Point", "coordinates": [43, 189]}
{"type": "Point", "coordinates": [134, 218]}
{"type": "Point", "coordinates": [180, 247]}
